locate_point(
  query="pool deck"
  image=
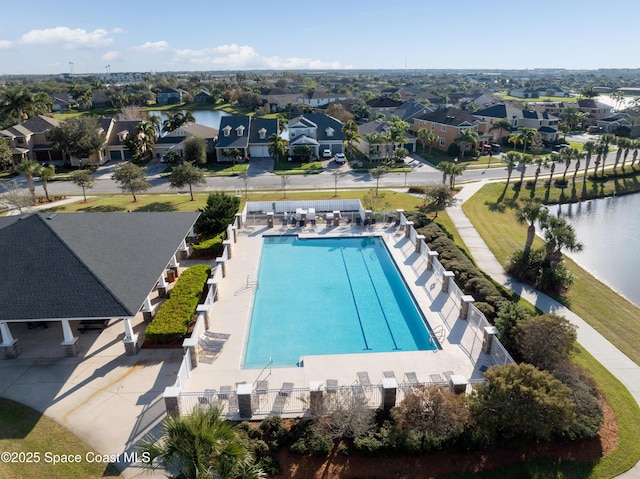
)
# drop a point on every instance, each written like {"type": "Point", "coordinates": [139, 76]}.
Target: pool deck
{"type": "Point", "coordinates": [461, 347]}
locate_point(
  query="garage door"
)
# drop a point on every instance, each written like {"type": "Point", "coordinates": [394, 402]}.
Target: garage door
{"type": "Point", "coordinates": [261, 151]}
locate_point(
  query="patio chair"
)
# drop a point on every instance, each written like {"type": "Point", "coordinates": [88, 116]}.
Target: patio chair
{"type": "Point", "coordinates": [363, 378]}
{"type": "Point", "coordinates": [331, 386]}
{"type": "Point", "coordinates": [448, 374]}
{"type": "Point", "coordinates": [412, 378]}
{"type": "Point", "coordinates": [286, 389]}
{"type": "Point", "coordinates": [224, 393]}
{"type": "Point", "coordinates": [388, 374]}
{"type": "Point", "coordinates": [436, 379]}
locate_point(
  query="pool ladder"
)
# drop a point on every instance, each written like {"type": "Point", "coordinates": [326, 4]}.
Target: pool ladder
{"type": "Point", "coordinates": [251, 281]}
{"type": "Point", "coordinates": [438, 333]}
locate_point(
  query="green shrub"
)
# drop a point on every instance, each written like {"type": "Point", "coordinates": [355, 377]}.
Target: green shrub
{"type": "Point", "coordinates": [174, 316]}
{"type": "Point", "coordinates": [269, 465]}
{"type": "Point", "coordinates": [370, 444]}
{"type": "Point", "coordinates": [209, 247]}
{"type": "Point", "coordinates": [274, 432]}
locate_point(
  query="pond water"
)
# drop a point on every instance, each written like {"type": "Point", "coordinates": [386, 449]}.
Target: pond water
{"type": "Point", "coordinates": [210, 118]}
{"type": "Point", "coordinates": [609, 229]}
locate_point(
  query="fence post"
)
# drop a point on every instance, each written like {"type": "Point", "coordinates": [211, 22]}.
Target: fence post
{"type": "Point", "coordinates": [316, 398]}
{"type": "Point", "coordinates": [172, 400]}
{"type": "Point", "coordinates": [419, 240]}
{"type": "Point", "coordinates": [431, 255]}
{"type": "Point", "coordinates": [389, 391]}
{"type": "Point", "coordinates": [407, 231]}
{"type": "Point", "coordinates": [465, 301]}
{"type": "Point", "coordinates": [222, 264]}
{"type": "Point", "coordinates": [244, 400]}
{"type": "Point", "coordinates": [227, 244]}
{"type": "Point", "coordinates": [269, 219]}
{"type": "Point", "coordinates": [239, 220]}
{"type": "Point", "coordinates": [446, 277]}
{"type": "Point", "coordinates": [489, 333]}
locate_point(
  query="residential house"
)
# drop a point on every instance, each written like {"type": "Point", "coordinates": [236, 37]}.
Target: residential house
{"type": "Point", "coordinates": [544, 123]}
{"type": "Point", "coordinates": [174, 140]}
{"type": "Point", "coordinates": [410, 109]}
{"type": "Point", "coordinates": [282, 100]}
{"type": "Point", "coordinates": [169, 96]}
{"type": "Point", "coordinates": [525, 92]}
{"type": "Point", "coordinates": [116, 133]}
{"type": "Point", "coordinates": [379, 150]}
{"type": "Point", "coordinates": [595, 109]}
{"type": "Point", "coordinates": [28, 140]}
{"type": "Point", "coordinates": [554, 108]}
{"type": "Point", "coordinates": [620, 121]}
{"type": "Point", "coordinates": [111, 263]}
{"type": "Point", "coordinates": [383, 105]}
{"type": "Point", "coordinates": [203, 96]}
{"type": "Point", "coordinates": [318, 131]}
{"type": "Point", "coordinates": [447, 123]}
{"type": "Point", "coordinates": [318, 99]}
{"type": "Point", "coordinates": [248, 134]}
{"type": "Point", "coordinates": [61, 102]}
{"type": "Point", "coordinates": [99, 100]}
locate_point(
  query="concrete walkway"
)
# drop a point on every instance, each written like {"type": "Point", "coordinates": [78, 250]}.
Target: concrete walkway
{"type": "Point", "coordinates": [623, 368]}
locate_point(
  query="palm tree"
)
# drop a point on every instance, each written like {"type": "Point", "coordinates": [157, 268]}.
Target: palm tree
{"type": "Point", "coordinates": [588, 148]}
{"type": "Point", "coordinates": [579, 156]}
{"type": "Point", "coordinates": [198, 446]}
{"type": "Point", "coordinates": [351, 133]}
{"type": "Point", "coordinates": [426, 136]}
{"type": "Point", "coordinates": [377, 173]}
{"type": "Point", "coordinates": [524, 161]}
{"type": "Point", "coordinates": [558, 234]}
{"type": "Point", "coordinates": [467, 137]}
{"type": "Point", "coordinates": [635, 145]}
{"type": "Point", "coordinates": [445, 167]}
{"type": "Point", "coordinates": [529, 213]}
{"type": "Point", "coordinates": [528, 134]}
{"type": "Point", "coordinates": [19, 104]}
{"type": "Point", "coordinates": [538, 161]}
{"type": "Point", "coordinates": [456, 170]}
{"type": "Point", "coordinates": [277, 147]}
{"type": "Point", "coordinates": [605, 141]}
{"type": "Point", "coordinates": [512, 158]}
{"type": "Point", "coordinates": [156, 121]}
{"type": "Point", "coordinates": [551, 164]}
{"type": "Point", "coordinates": [29, 168]}
{"type": "Point", "coordinates": [516, 139]}
{"type": "Point", "coordinates": [502, 125]}
{"type": "Point", "coordinates": [46, 173]}
{"type": "Point", "coordinates": [623, 147]}
{"type": "Point", "coordinates": [568, 154]}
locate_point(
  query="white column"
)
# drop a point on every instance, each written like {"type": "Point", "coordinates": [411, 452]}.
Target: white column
{"type": "Point", "coordinates": [162, 283]}
{"type": "Point", "coordinates": [174, 262]}
{"type": "Point", "coordinates": [7, 339]}
{"type": "Point", "coordinates": [128, 330]}
{"type": "Point", "coordinates": [66, 331]}
{"type": "Point", "coordinates": [147, 304]}
{"type": "Point", "coordinates": [183, 245]}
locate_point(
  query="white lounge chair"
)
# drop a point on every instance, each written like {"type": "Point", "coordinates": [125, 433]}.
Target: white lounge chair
{"type": "Point", "coordinates": [363, 378]}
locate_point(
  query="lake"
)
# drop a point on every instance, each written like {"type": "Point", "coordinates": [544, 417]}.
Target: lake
{"type": "Point", "coordinates": [210, 118]}
{"type": "Point", "coordinates": [609, 229]}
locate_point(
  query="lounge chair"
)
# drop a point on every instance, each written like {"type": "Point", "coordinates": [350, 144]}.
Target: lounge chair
{"type": "Point", "coordinates": [262, 386]}
{"type": "Point", "coordinates": [331, 385]}
{"type": "Point", "coordinates": [388, 374]}
{"type": "Point", "coordinates": [448, 374]}
{"type": "Point", "coordinates": [412, 378]}
{"type": "Point", "coordinates": [286, 389]}
{"type": "Point", "coordinates": [281, 398]}
{"type": "Point", "coordinates": [436, 379]}
{"type": "Point", "coordinates": [363, 378]}
{"type": "Point", "coordinates": [224, 393]}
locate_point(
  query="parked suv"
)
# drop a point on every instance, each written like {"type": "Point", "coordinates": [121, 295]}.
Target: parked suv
{"type": "Point", "coordinates": [340, 158]}
{"type": "Point", "coordinates": [326, 154]}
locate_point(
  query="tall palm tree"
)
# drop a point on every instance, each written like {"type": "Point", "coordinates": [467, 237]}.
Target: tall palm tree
{"type": "Point", "coordinates": [531, 212]}
{"type": "Point", "coordinates": [46, 173]}
{"type": "Point", "coordinates": [528, 134]}
{"type": "Point", "coordinates": [502, 125]}
{"type": "Point", "coordinates": [605, 141]}
{"type": "Point", "coordinates": [635, 144]}
{"type": "Point", "coordinates": [551, 164]}
{"type": "Point", "coordinates": [566, 155]}
{"type": "Point", "coordinates": [456, 170]}
{"type": "Point", "coordinates": [29, 168]}
{"type": "Point", "coordinates": [426, 136]}
{"type": "Point", "coordinates": [467, 137]}
{"type": "Point", "coordinates": [19, 104]}
{"type": "Point", "coordinates": [579, 156]}
{"type": "Point", "coordinates": [277, 147]}
{"type": "Point", "coordinates": [623, 147]}
{"type": "Point", "coordinates": [588, 148]}
{"type": "Point", "coordinates": [156, 121]}
{"type": "Point", "coordinates": [512, 158]}
{"type": "Point", "coordinates": [351, 134]}
{"type": "Point", "coordinates": [445, 167]}
{"type": "Point", "coordinates": [516, 139]}
{"type": "Point", "coordinates": [539, 161]}
{"type": "Point", "coordinates": [197, 446]}
{"type": "Point", "coordinates": [558, 234]}
{"type": "Point", "coordinates": [524, 161]}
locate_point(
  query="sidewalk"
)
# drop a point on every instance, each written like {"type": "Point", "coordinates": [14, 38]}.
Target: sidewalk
{"type": "Point", "coordinates": [625, 370]}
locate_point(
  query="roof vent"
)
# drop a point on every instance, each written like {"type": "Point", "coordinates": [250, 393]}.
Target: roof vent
{"type": "Point", "coordinates": [50, 217]}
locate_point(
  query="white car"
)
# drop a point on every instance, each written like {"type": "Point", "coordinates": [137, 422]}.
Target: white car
{"type": "Point", "coordinates": [326, 153]}
{"type": "Point", "coordinates": [340, 158]}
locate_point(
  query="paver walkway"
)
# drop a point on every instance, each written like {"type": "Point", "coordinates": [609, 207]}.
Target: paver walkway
{"type": "Point", "coordinates": [623, 368]}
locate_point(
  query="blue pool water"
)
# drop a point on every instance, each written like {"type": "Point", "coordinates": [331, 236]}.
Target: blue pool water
{"type": "Point", "coordinates": [330, 296]}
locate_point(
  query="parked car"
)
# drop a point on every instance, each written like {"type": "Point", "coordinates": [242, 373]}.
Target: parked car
{"type": "Point", "coordinates": [326, 154]}
{"type": "Point", "coordinates": [340, 158]}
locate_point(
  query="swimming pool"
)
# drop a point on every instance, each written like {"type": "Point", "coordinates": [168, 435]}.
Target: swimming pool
{"type": "Point", "coordinates": [322, 296]}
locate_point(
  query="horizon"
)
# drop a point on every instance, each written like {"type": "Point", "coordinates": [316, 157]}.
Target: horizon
{"type": "Point", "coordinates": [498, 35]}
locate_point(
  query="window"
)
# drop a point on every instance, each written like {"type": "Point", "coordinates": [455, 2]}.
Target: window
{"type": "Point", "coordinates": [329, 131]}
{"type": "Point", "coordinates": [240, 130]}
{"type": "Point", "coordinates": [443, 141]}
{"type": "Point", "coordinates": [433, 126]}
{"type": "Point", "coordinates": [443, 127]}
{"type": "Point", "coordinates": [226, 130]}
{"type": "Point", "coordinates": [263, 133]}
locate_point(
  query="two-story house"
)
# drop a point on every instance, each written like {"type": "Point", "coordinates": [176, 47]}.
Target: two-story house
{"type": "Point", "coordinates": [595, 109]}
{"type": "Point", "coordinates": [28, 140]}
{"type": "Point", "coordinates": [318, 131]}
{"type": "Point", "coordinates": [247, 134]}
{"type": "Point", "coordinates": [544, 123]}
{"type": "Point", "coordinates": [169, 96]}
{"type": "Point", "coordinates": [447, 124]}
{"type": "Point", "coordinates": [372, 144]}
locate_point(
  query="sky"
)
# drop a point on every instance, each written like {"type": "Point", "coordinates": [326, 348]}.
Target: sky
{"type": "Point", "coordinates": [201, 35]}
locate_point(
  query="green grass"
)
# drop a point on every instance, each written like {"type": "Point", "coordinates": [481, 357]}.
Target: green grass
{"type": "Point", "coordinates": [542, 98]}
{"type": "Point", "coordinates": [26, 430]}
{"type": "Point", "coordinates": [297, 168]}
{"type": "Point", "coordinates": [610, 314]}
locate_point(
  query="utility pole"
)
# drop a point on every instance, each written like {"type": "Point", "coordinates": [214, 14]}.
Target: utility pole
{"type": "Point", "coordinates": [71, 68]}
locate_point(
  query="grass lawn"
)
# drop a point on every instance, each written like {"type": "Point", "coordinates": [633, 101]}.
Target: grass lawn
{"type": "Point", "coordinates": [610, 314]}
{"type": "Point", "coordinates": [26, 430]}
{"type": "Point", "coordinates": [542, 98]}
{"type": "Point", "coordinates": [297, 168]}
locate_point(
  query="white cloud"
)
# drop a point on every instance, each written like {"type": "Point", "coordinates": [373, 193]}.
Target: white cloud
{"type": "Point", "coordinates": [160, 46]}
{"type": "Point", "coordinates": [5, 44]}
{"type": "Point", "coordinates": [111, 55]}
{"type": "Point", "coordinates": [67, 38]}
{"type": "Point", "coordinates": [118, 30]}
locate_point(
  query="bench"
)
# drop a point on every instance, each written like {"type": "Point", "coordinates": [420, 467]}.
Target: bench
{"type": "Point", "coordinates": [93, 324]}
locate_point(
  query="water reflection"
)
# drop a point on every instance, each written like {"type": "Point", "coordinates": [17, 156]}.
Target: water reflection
{"type": "Point", "coordinates": [609, 229]}
{"type": "Point", "coordinates": [210, 118]}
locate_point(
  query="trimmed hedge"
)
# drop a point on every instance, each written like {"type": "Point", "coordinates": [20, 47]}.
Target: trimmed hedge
{"type": "Point", "coordinates": [209, 247]}
{"type": "Point", "coordinates": [174, 316]}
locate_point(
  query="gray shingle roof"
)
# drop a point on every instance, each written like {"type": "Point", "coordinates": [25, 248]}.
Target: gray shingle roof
{"type": "Point", "coordinates": [89, 265]}
{"type": "Point", "coordinates": [257, 124]}
{"type": "Point", "coordinates": [233, 140]}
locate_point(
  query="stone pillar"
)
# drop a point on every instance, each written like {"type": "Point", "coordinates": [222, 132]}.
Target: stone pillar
{"type": "Point", "coordinates": [204, 310]}
{"type": "Point", "coordinates": [465, 301]}
{"type": "Point", "coordinates": [316, 399]}
{"type": "Point", "coordinates": [228, 244]}
{"type": "Point", "coordinates": [269, 219]}
{"type": "Point", "coordinates": [193, 353]}
{"type": "Point", "coordinates": [399, 213]}
{"type": "Point", "coordinates": [222, 264]}
{"type": "Point", "coordinates": [234, 230]}
{"type": "Point", "coordinates": [147, 310]}
{"type": "Point", "coordinates": [336, 218]}
{"type": "Point", "coordinates": [239, 220]}
{"type": "Point", "coordinates": [487, 339]}
{"type": "Point", "coordinates": [162, 286]}
{"type": "Point", "coordinates": [368, 216]}
{"type": "Point", "coordinates": [244, 400]}
{"type": "Point", "coordinates": [419, 239]}
{"type": "Point", "coordinates": [70, 343]}
{"type": "Point", "coordinates": [389, 392]}
{"type": "Point", "coordinates": [458, 384]}
{"type": "Point", "coordinates": [10, 348]}
{"type": "Point", "coordinates": [446, 278]}
{"type": "Point", "coordinates": [131, 346]}
{"type": "Point", "coordinates": [431, 255]}
{"type": "Point", "coordinates": [407, 230]}
{"type": "Point", "coordinates": [172, 400]}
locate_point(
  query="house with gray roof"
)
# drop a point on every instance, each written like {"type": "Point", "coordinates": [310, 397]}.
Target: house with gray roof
{"type": "Point", "coordinates": [245, 133]}
{"type": "Point", "coordinates": [169, 96]}
{"type": "Point", "coordinates": [595, 109]}
{"type": "Point", "coordinates": [317, 131]}
{"type": "Point", "coordinates": [28, 140]}
{"type": "Point", "coordinates": [544, 123]}
{"type": "Point", "coordinates": [377, 149]}
{"type": "Point", "coordinates": [410, 109]}
{"type": "Point", "coordinates": [74, 268]}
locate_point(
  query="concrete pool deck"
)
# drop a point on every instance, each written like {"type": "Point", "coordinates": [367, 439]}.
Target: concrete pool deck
{"type": "Point", "coordinates": [230, 315]}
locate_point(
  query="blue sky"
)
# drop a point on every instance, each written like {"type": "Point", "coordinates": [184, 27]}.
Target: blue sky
{"type": "Point", "coordinates": [139, 35]}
